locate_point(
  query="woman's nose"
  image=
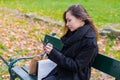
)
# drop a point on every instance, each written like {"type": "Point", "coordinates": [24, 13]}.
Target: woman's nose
{"type": "Point", "coordinates": [67, 24]}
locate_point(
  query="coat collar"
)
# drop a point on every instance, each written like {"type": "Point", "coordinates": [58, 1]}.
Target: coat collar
{"type": "Point", "coordinates": [75, 36]}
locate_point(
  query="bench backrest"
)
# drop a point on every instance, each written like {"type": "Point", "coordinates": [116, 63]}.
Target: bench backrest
{"type": "Point", "coordinates": [103, 63]}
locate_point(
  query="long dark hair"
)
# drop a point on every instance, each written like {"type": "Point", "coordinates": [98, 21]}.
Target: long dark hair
{"type": "Point", "coordinates": [79, 12]}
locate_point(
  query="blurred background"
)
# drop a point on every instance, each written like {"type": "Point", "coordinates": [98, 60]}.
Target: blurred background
{"type": "Point", "coordinates": [23, 23]}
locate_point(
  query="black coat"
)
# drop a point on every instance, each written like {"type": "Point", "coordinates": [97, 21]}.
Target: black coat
{"type": "Point", "coordinates": [77, 55]}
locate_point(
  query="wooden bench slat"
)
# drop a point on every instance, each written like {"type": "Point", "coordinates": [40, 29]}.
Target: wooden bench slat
{"type": "Point", "coordinates": [23, 74]}
{"type": "Point", "coordinates": [108, 65]}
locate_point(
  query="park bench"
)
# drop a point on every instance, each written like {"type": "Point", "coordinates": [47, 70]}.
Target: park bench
{"type": "Point", "coordinates": [102, 63]}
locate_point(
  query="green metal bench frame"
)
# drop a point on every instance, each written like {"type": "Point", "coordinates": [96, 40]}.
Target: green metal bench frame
{"type": "Point", "coordinates": [103, 63]}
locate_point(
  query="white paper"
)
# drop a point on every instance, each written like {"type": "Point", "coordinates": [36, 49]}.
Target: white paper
{"type": "Point", "coordinates": [45, 67]}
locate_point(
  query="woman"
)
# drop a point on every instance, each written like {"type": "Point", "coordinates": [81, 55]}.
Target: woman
{"type": "Point", "coordinates": [80, 48]}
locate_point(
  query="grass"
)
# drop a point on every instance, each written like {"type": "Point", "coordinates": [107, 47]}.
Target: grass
{"type": "Point", "coordinates": [102, 11]}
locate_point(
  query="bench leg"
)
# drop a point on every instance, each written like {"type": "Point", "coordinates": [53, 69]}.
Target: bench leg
{"type": "Point", "coordinates": [12, 78]}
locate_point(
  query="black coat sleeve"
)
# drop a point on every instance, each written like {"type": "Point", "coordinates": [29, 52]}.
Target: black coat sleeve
{"type": "Point", "coordinates": [84, 57]}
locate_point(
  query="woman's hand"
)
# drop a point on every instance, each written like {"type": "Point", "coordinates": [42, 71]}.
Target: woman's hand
{"type": "Point", "coordinates": [48, 48]}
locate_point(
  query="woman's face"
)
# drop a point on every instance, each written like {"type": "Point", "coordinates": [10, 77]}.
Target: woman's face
{"type": "Point", "coordinates": [73, 23]}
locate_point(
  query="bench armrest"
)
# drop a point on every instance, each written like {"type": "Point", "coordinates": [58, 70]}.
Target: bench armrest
{"type": "Point", "coordinates": [13, 61]}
